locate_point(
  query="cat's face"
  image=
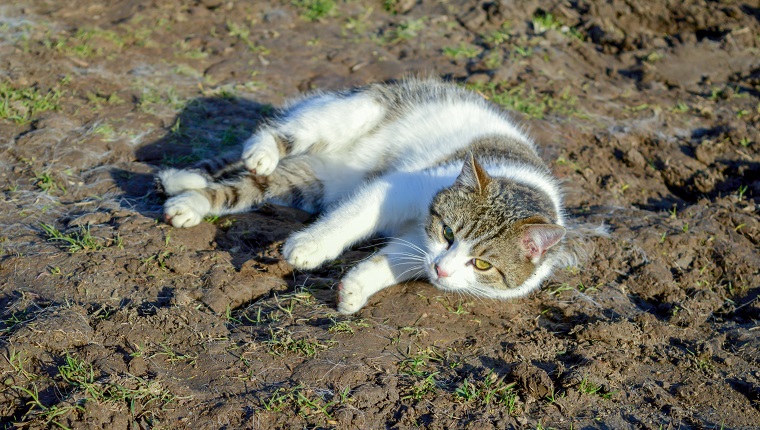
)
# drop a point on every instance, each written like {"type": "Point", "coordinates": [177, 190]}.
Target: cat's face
{"type": "Point", "coordinates": [487, 235]}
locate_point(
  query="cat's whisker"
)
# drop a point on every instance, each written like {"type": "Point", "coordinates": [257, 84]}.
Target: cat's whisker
{"type": "Point", "coordinates": [407, 260]}
{"type": "Point", "coordinates": [401, 275]}
{"type": "Point", "coordinates": [482, 293]}
{"type": "Point", "coordinates": [479, 296]}
{"type": "Point", "coordinates": [472, 294]}
{"type": "Point", "coordinates": [420, 274]}
{"type": "Point", "coordinates": [418, 261]}
{"type": "Point", "coordinates": [406, 254]}
{"type": "Point", "coordinates": [400, 241]}
{"type": "Point", "coordinates": [419, 270]}
{"type": "Point", "coordinates": [417, 275]}
{"type": "Point", "coordinates": [404, 263]}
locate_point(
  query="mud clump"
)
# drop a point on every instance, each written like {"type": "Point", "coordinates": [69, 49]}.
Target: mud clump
{"type": "Point", "coordinates": [533, 380]}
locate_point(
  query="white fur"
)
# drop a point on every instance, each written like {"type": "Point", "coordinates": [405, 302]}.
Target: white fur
{"type": "Point", "coordinates": [426, 134]}
{"type": "Point", "coordinates": [176, 181]}
{"type": "Point", "coordinates": [187, 209]}
{"type": "Point", "coordinates": [260, 153]}
{"type": "Point", "coordinates": [332, 121]}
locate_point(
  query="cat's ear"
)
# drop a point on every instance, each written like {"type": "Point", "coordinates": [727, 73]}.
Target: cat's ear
{"type": "Point", "coordinates": [473, 176]}
{"type": "Point", "coordinates": [536, 239]}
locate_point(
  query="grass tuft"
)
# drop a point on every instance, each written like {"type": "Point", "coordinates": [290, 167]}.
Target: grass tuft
{"type": "Point", "coordinates": [74, 242]}
{"type": "Point", "coordinates": [314, 10]}
{"type": "Point", "coordinates": [528, 101]}
{"type": "Point", "coordinates": [491, 391]}
{"type": "Point", "coordinates": [20, 105]}
{"type": "Point", "coordinates": [543, 22]}
{"type": "Point", "coordinates": [47, 183]}
{"type": "Point", "coordinates": [282, 342]}
{"type": "Point", "coordinates": [133, 390]}
{"type": "Point", "coordinates": [463, 50]}
{"type": "Point", "coordinates": [307, 402]}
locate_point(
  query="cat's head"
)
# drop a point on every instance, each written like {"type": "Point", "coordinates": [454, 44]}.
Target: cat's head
{"type": "Point", "coordinates": [489, 235]}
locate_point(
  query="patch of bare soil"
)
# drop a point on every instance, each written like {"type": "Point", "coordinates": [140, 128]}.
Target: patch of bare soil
{"type": "Point", "coordinates": [110, 318]}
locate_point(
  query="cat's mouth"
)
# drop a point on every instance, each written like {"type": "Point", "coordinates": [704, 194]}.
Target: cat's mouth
{"type": "Point", "coordinates": [445, 283]}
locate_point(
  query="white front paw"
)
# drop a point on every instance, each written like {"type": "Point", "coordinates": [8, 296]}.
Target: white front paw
{"type": "Point", "coordinates": [351, 296]}
{"type": "Point", "coordinates": [186, 210]}
{"type": "Point", "coordinates": [261, 154]}
{"type": "Point", "coordinates": [305, 251]}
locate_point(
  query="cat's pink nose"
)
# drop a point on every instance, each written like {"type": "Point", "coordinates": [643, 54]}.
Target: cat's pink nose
{"type": "Point", "coordinates": [441, 273]}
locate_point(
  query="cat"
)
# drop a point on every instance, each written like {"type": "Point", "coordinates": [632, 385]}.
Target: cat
{"type": "Point", "coordinates": [449, 178]}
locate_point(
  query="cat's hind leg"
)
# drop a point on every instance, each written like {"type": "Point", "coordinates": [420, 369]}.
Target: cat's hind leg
{"type": "Point", "coordinates": [187, 209]}
{"type": "Point", "coordinates": [293, 183]}
{"type": "Point", "coordinates": [175, 181]}
{"type": "Point", "coordinates": [172, 181]}
{"type": "Point", "coordinates": [321, 123]}
{"type": "Point", "coordinates": [399, 261]}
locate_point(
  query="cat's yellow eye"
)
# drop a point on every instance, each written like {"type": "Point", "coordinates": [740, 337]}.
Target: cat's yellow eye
{"type": "Point", "coordinates": [480, 264]}
{"type": "Point", "coordinates": [448, 234]}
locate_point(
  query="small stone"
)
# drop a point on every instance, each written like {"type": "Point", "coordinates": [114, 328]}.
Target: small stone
{"type": "Point", "coordinates": [478, 78]}
{"type": "Point", "coordinates": [90, 219]}
{"type": "Point", "coordinates": [278, 16]}
{"type": "Point", "coordinates": [138, 366]}
{"type": "Point", "coordinates": [181, 298]}
{"type": "Point", "coordinates": [704, 154]}
{"type": "Point", "coordinates": [473, 19]}
{"type": "Point", "coordinates": [634, 158]}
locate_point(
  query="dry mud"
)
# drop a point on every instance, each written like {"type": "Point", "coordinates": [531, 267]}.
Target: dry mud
{"type": "Point", "coordinates": [112, 319]}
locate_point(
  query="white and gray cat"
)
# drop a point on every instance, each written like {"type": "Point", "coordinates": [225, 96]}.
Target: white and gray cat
{"type": "Point", "coordinates": [446, 176]}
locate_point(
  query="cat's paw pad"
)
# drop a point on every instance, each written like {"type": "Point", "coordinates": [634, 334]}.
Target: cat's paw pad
{"type": "Point", "coordinates": [186, 210]}
{"type": "Point", "coordinates": [304, 251]}
{"type": "Point", "coordinates": [351, 297]}
{"type": "Point", "coordinates": [261, 154]}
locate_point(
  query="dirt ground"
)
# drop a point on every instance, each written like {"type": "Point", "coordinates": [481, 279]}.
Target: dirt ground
{"type": "Point", "coordinates": [110, 318]}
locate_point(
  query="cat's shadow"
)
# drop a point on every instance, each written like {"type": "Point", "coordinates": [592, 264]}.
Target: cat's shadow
{"type": "Point", "coordinates": [206, 127]}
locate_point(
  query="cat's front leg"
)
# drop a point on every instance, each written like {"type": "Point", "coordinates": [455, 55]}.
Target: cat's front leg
{"type": "Point", "coordinates": [314, 246]}
{"type": "Point", "coordinates": [336, 230]}
{"type": "Point", "coordinates": [364, 280]}
{"type": "Point", "coordinates": [397, 262]}
{"type": "Point", "coordinates": [384, 205]}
